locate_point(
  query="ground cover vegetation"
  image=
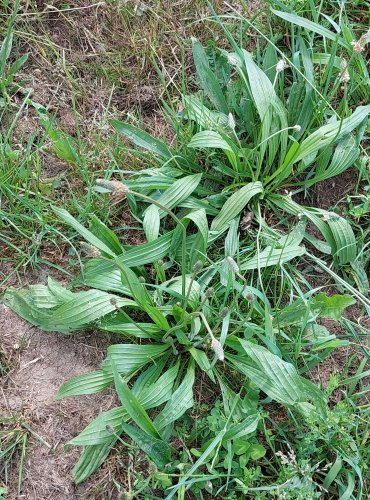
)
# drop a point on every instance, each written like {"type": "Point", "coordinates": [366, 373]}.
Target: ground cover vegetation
{"type": "Point", "coordinates": [238, 286]}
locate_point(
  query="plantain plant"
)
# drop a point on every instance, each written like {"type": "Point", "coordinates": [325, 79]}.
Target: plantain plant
{"type": "Point", "coordinates": [216, 290]}
{"type": "Point", "coordinates": [264, 132]}
{"type": "Point", "coordinates": [215, 327]}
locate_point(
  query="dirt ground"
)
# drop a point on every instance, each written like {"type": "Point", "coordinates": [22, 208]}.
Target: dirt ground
{"type": "Point", "coordinates": [41, 362]}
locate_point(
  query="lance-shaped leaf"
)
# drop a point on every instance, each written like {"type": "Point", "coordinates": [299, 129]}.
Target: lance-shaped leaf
{"type": "Point", "coordinates": [106, 235]}
{"type": "Point", "coordinates": [87, 383]}
{"type": "Point", "coordinates": [151, 223]}
{"type": "Point", "coordinates": [156, 449]}
{"type": "Point", "coordinates": [85, 233]}
{"type": "Point", "coordinates": [345, 155]}
{"type": "Point", "coordinates": [134, 409]}
{"type": "Point", "coordinates": [130, 357]}
{"type": "Point", "coordinates": [85, 309]}
{"type": "Point", "coordinates": [208, 139]}
{"type": "Point", "coordinates": [181, 400]}
{"type": "Point", "coordinates": [234, 205]}
{"type": "Point", "coordinates": [178, 192]}
{"type": "Point", "coordinates": [91, 459]}
{"type": "Point", "coordinates": [150, 391]}
{"type": "Point", "coordinates": [77, 311]}
{"type": "Point", "coordinates": [273, 257]}
{"type": "Point", "coordinates": [311, 26]}
{"type": "Point", "coordinates": [204, 117]}
{"type": "Point", "coordinates": [336, 230]}
{"type": "Point", "coordinates": [105, 275]}
{"type": "Point", "coordinates": [277, 378]}
{"type": "Point", "coordinates": [142, 139]}
{"type": "Point", "coordinates": [207, 78]}
{"type": "Point", "coordinates": [333, 131]}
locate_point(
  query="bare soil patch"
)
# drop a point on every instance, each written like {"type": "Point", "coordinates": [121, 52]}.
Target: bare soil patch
{"type": "Point", "coordinates": [41, 363]}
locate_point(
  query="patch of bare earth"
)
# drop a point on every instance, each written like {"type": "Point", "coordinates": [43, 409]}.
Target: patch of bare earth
{"type": "Point", "coordinates": [41, 363]}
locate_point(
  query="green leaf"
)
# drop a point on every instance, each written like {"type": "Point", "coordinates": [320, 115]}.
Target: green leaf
{"type": "Point", "coordinates": [77, 310]}
{"type": "Point", "coordinates": [345, 240]}
{"type": "Point", "coordinates": [84, 309]}
{"type": "Point", "coordinates": [85, 233]}
{"type": "Point", "coordinates": [156, 449]}
{"type": "Point", "coordinates": [345, 155]}
{"type": "Point", "coordinates": [5, 50]}
{"type": "Point", "coordinates": [158, 317]}
{"type": "Point", "coordinates": [328, 134]}
{"type": "Point", "coordinates": [142, 139]}
{"type": "Point", "coordinates": [104, 275]}
{"type": "Point", "coordinates": [204, 117]}
{"type": "Point", "coordinates": [311, 26]}
{"type": "Point", "coordinates": [148, 252]}
{"type": "Point", "coordinates": [332, 306]}
{"type": "Point", "coordinates": [263, 91]}
{"type": "Point", "coordinates": [130, 357]}
{"type": "Point", "coordinates": [198, 249]}
{"type": "Point", "coordinates": [181, 400]}
{"type": "Point", "coordinates": [209, 139]}
{"type": "Point", "coordinates": [243, 428]}
{"type": "Point", "coordinates": [337, 231]}
{"type": "Point", "coordinates": [16, 66]}
{"type": "Point", "coordinates": [62, 143]}
{"type": "Point", "coordinates": [43, 298]}
{"type": "Point", "coordinates": [106, 235]}
{"type": "Point", "coordinates": [99, 273]}
{"type": "Point", "coordinates": [91, 459]}
{"type": "Point", "coordinates": [234, 205]}
{"type": "Point", "coordinates": [272, 113]}
{"type": "Point", "coordinates": [87, 383]}
{"type": "Point", "coordinates": [151, 223]}
{"type": "Point", "coordinates": [207, 79]}
{"type": "Point", "coordinates": [137, 288]}
{"type": "Point", "coordinates": [273, 257]}
{"type": "Point", "coordinates": [22, 303]}
{"type": "Point", "coordinates": [134, 409]}
{"type": "Point", "coordinates": [156, 392]}
{"type": "Point", "coordinates": [202, 361]}
{"type": "Point", "coordinates": [333, 131]}
{"type": "Point", "coordinates": [333, 472]}
{"type": "Point", "coordinates": [174, 287]}
{"type": "Point", "coordinates": [277, 378]}
{"type": "Point", "coordinates": [118, 323]}
{"type": "Point", "coordinates": [102, 429]}
{"type": "Point", "coordinates": [178, 192]}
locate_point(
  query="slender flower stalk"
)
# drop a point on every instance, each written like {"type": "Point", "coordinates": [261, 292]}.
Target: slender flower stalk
{"type": "Point", "coordinates": [296, 128]}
